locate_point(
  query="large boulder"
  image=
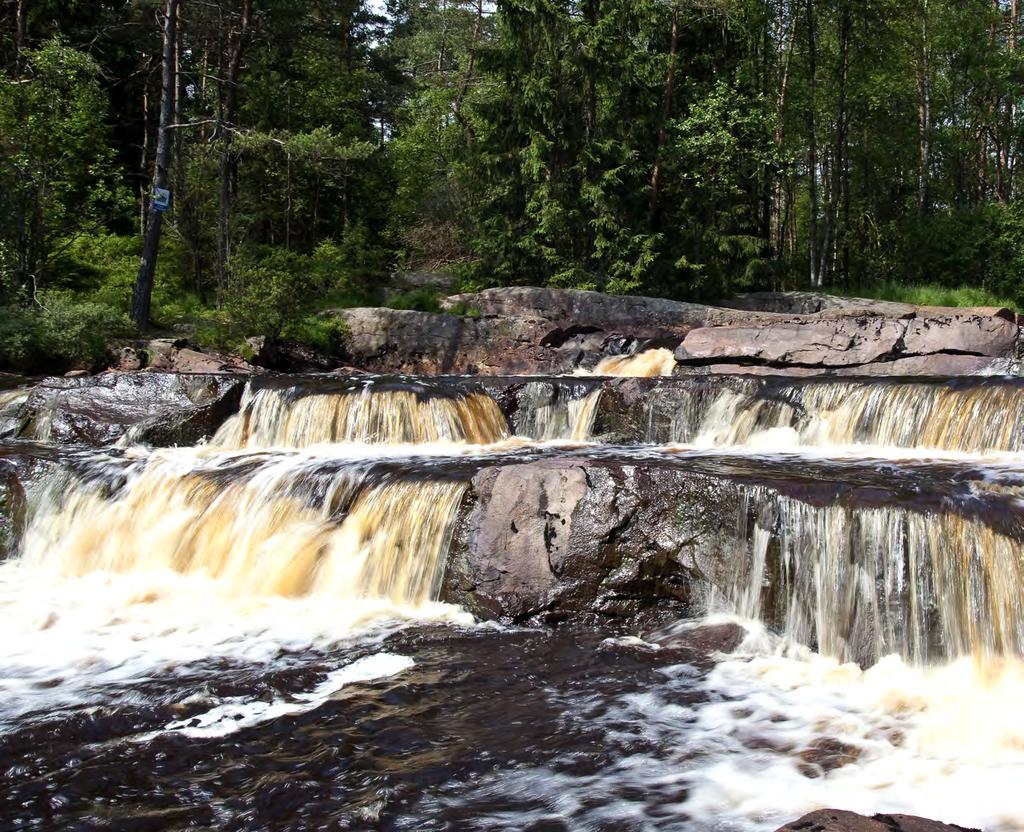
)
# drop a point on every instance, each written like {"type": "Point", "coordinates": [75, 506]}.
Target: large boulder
{"type": "Point", "coordinates": [839, 342]}
{"type": "Point", "coordinates": [590, 535]}
{"type": "Point", "coordinates": [524, 330]}
{"type": "Point", "coordinates": [837, 820]}
{"type": "Point", "coordinates": [156, 408]}
{"type": "Point", "coordinates": [832, 342]}
{"type": "Point", "coordinates": [562, 538]}
{"type": "Point", "coordinates": [406, 341]}
{"type": "Point", "coordinates": [628, 314]}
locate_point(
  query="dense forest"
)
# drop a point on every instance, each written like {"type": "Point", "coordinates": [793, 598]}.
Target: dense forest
{"type": "Point", "coordinates": [685, 148]}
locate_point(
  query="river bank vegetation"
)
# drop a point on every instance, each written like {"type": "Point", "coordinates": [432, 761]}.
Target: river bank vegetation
{"type": "Point", "coordinates": [312, 147]}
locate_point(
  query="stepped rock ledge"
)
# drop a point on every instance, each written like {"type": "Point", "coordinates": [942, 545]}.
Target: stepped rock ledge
{"type": "Point", "coordinates": [536, 331]}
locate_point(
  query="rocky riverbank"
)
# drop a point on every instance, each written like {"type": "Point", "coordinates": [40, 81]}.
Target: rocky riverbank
{"type": "Point", "coordinates": [531, 331]}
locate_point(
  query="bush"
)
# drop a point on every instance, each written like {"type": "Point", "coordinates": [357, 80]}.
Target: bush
{"type": "Point", "coordinates": [323, 333]}
{"type": "Point", "coordinates": [978, 252]}
{"type": "Point", "coordinates": [60, 332]}
{"type": "Point", "coordinates": [423, 299]}
{"type": "Point", "coordinates": [268, 287]}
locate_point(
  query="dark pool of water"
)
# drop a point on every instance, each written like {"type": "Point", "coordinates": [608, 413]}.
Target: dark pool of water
{"type": "Point", "coordinates": [477, 735]}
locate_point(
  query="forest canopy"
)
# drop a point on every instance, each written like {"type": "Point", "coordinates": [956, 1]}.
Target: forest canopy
{"type": "Point", "coordinates": [684, 149]}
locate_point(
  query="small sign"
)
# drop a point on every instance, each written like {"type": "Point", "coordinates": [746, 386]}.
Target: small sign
{"type": "Point", "coordinates": [161, 199]}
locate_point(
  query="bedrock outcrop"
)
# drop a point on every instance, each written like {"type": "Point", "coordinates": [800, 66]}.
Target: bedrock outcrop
{"type": "Point", "coordinates": [853, 342]}
{"type": "Point", "coordinates": [528, 330]}
{"type": "Point", "coordinates": [556, 539]}
{"type": "Point", "coordinates": [625, 535]}
{"type": "Point", "coordinates": [158, 408]}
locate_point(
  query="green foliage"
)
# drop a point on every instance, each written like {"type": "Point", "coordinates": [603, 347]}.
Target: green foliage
{"type": "Point", "coordinates": [268, 287]}
{"type": "Point", "coordinates": [322, 332]}
{"type": "Point", "coordinates": [274, 291]}
{"type": "Point", "coordinates": [623, 145]}
{"type": "Point", "coordinates": [931, 294]}
{"type": "Point", "coordinates": [984, 245]}
{"type": "Point", "coordinates": [423, 299]}
{"type": "Point", "coordinates": [60, 332]}
{"type": "Point", "coordinates": [57, 163]}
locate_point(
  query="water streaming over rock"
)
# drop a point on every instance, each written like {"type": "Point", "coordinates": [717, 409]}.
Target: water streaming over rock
{"type": "Point", "coordinates": [127, 567]}
{"type": "Point", "coordinates": [275, 526]}
{"type": "Point", "coordinates": [973, 417]}
{"type": "Point", "coordinates": [860, 583]}
{"type": "Point", "coordinates": [646, 364]}
{"type": "Point", "coordinates": [547, 411]}
{"type": "Point", "coordinates": [291, 417]}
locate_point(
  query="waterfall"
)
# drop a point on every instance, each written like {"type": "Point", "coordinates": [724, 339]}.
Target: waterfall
{"type": "Point", "coordinates": [971, 418]}
{"type": "Point", "coordinates": [646, 364]}
{"type": "Point", "coordinates": [860, 583]}
{"type": "Point", "coordinates": [547, 412]}
{"type": "Point", "coordinates": [273, 417]}
{"type": "Point", "coordinates": [276, 526]}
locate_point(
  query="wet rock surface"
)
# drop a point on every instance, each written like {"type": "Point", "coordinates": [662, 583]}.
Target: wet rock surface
{"type": "Point", "coordinates": [594, 536]}
{"type": "Point", "coordinates": [12, 509]}
{"type": "Point", "coordinates": [553, 540]}
{"type": "Point", "coordinates": [159, 408]}
{"type": "Point", "coordinates": [835, 820]}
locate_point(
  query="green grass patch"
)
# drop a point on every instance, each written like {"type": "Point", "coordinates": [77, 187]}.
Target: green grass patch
{"type": "Point", "coordinates": [930, 294]}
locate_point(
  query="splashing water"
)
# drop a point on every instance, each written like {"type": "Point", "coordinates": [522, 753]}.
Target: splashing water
{"type": "Point", "coordinates": [646, 364]}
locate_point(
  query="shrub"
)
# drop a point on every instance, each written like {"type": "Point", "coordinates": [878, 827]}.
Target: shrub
{"type": "Point", "coordinates": [423, 299]}
{"type": "Point", "coordinates": [60, 332]}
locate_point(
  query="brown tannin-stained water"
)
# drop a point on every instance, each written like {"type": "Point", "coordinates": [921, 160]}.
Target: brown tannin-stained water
{"type": "Point", "coordinates": [248, 635]}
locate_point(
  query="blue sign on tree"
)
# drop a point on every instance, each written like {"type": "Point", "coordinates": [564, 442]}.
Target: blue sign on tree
{"type": "Point", "coordinates": [161, 199]}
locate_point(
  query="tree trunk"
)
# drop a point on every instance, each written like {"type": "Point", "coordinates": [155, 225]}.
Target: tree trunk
{"type": "Point", "coordinates": [826, 265]}
{"type": "Point", "coordinates": [19, 38]}
{"type": "Point", "coordinates": [228, 100]}
{"type": "Point", "coordinates": [144, 154]}
{"type": "Point", "coordinates": [780, 109]}
{"type": "Point", "coordinates": [666, 114]}
{"type": "Point", "coordinates": [924, 116]}
{"type": "Point", "coordinates": [812, 155]}
{"type": "Point", "coordinates": [1011, 145]}
{"type": "Point", "coordinates": [143, 292]}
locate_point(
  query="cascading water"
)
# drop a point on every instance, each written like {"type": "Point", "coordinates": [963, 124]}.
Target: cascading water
{"type": "Point", "coordinates": [981, 417]}
{"type": "Point", "coordinates": [282, 528]}
{"type": "Point", "coordinates": [548, 412]}
{"type": "Point", "coordinates": [280, 418]}
{"type": "Point", "coordinates": [646, 364]}
{"type": "Point", "coordinates": [242, 588]}
{"type": "Point", "coordinates": [860, 583]}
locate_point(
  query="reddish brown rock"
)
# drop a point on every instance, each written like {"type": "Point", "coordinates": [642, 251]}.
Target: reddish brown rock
{"type": "Point", "coordinates": [966, 332]}
{"type": "Point", "coordinates": [836, 820]}
{"type": "Point", "coordinates": [832, 343]}
{"type": "Point", "coordinates": [949, 344]}
{"type": "Point", "coordinates": [536, 331]}
{"type": "Point", "coordinates": [405, 341]}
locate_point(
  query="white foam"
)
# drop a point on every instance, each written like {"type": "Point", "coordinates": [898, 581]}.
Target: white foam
{"type": "Point", "coordinates": [70, 641]}
{"type": "Point", "coordinates": [237, 713]}
{"type": "Point", "coordinates": [944, 742]}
